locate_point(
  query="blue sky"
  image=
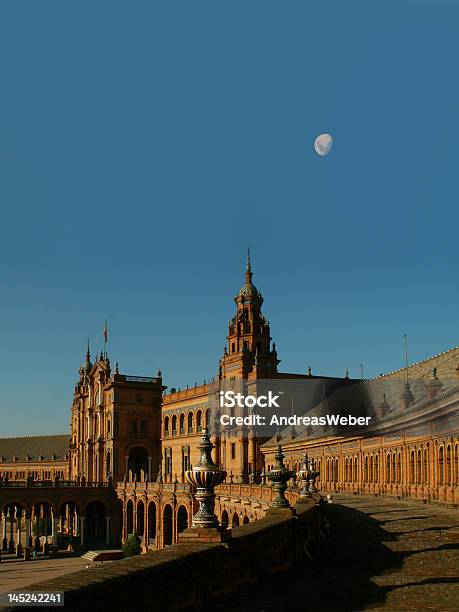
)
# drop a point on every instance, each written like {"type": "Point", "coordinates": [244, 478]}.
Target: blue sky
{"type": "Point", "coordinates": [144, 145]}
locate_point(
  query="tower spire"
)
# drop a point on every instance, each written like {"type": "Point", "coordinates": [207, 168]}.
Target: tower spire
{"type": "Point", "coordinates": [248, 269]}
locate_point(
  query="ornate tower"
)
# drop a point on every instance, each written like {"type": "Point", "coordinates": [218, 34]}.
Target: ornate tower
{"type": "Point", "coordinates": [248, 357]}
{"type": "Point", "coordinates": [248, 353]}
{"type": "Point", "coordinates": [115, 424]}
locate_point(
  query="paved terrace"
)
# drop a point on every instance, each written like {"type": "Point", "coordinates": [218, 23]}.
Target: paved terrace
{"type": "Point", "coordinates": [383, 555]}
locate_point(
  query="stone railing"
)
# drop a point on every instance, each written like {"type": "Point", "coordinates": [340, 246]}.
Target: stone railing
{"type": "Point", "coordinates": [47, 484]}
{"type": "Point", "coordinates": [206, 572]}
{"type": "Point", "coordinates": [252, 491]}
{"type": "Point", "coordinates": [148, 485]}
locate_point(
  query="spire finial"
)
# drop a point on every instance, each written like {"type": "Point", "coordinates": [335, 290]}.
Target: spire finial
{"type": "Point", "coordinates": [248, 269]}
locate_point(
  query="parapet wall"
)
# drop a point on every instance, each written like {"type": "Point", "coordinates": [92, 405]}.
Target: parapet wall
{"type": "Point", "coordinates": [185, 576]}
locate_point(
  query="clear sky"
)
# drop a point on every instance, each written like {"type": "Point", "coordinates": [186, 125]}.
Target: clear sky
{"type": "Point", "coordinates": [144, 145]}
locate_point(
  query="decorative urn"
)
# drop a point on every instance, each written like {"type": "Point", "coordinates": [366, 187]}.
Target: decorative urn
{"type": "Point", "coordinates": [279, 476]}
{"type": "Point", "coordinates": [205, 476]}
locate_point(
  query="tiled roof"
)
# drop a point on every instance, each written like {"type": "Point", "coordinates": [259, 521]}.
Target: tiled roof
{"type": "Point", "coordinates": [30, 448]}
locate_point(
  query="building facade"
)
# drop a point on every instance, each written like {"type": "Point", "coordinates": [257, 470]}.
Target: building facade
{"type": "Point", "coordinates": [131, 441]}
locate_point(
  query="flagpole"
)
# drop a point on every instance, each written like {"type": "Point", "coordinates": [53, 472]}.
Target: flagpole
{"type": "Point", "coordinates": [105, 337]}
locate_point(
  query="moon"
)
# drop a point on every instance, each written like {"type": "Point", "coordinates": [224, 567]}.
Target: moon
{"type": "Point", "coordinates": [323, 144]}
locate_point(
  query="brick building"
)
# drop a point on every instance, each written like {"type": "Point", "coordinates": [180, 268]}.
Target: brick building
{"type": "Point", "coordinates": [129, 431]}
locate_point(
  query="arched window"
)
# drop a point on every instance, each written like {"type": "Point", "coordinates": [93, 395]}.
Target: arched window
{"type": "Point", "coordinates": [371, 468]}
{"type": "Point", "coordinates": [425, 467]}
{"type": "Point", "coordinates": [441, 475]}
{"type": "Point", "coordinates": [166, 426]}
{"type": "Point", "coordinates": [199, 421]}
{"type": "Point", "coordinates": [387, 468]}
{"type": "Point", "coordinates": [419, 467]}
{"type": "Point", "coordinates": [182, 423]}
{"type": "Point", "coordinates": [190, 422]}
{"type": "Point", "coordinates": [412, 473]}
{"type": "Point", "coordinates": [448, 465]}
{"type": "Point", "coordinates": [456, 465]}
{"type": "Point", "coordinates": [366, 470]}
{"type": "Point", "coordinates": [377, 468]}
{"type": "Point", "coordinates": [174, 425]}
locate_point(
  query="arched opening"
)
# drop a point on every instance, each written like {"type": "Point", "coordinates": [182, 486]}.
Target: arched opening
{"type": "Point", "coordinates": [182, 519]}
{"type": "Point", "coordinates": [425, 467]}
{"type": "Point", "coordinates": [42, 523]}
{"type": "Point", "coordinates": [140, 519]}
{"type": "Point", "coordinates": [235, 520]}
{"type": "Point", "coordinates": [190, 422]}
{"type": "Point", "coordinates": [95, 525]}
{"type": "Point", "coordinates": [167, 525]}
{"type": "Point", "coordinates": [199, 421]}
{"type": "Point", "coordinates": [138, 464]}
{"type": "Point", "coordinates": [412, 474]}
{"type": "Point", "coordinates": [419, 467]}
{"type": "Point", "coordinates": [182, 423]}
{"type": "Point", "coordinates": [68, 522]}
{"type": "Point", "coordinates": [166, 427]}
{"type": "Point", "coordinates": [366, 469]}
{"type": "Point", "coordinates": [15, 536]}
{"type": "Point", "coordinates": [456, 465]}
{"type": "Point", "coordinates": [441, 476]}
{"type": "Point", "coordinates": [448, 465]}
{"type": "Point", "coordinates": [245, 520]}
{"type": "Point", "coordinates": [388, 468]}
{"type": "Point", "coordinates": [225, 521]}
{"type": "Point", "coordinates": [129, 517]}
{"type": "Point", "coordinates": [151, 523]}
{"type": "Point", "coordinates": [174, 425]}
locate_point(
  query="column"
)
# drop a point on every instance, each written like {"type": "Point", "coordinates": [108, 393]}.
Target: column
{"type": "Point", "coordinates": [107, 530]}
{"type": "Point", "coordinates": [11, 541]}
{"type": "Point", "coordinates": [82, 529]}
{"type": "Point", "coordinates": [253, 454]}
{"type": "Point", "coordinates": [27, 527]}
{"type": "Point", "coordinates": [76, 531]}
{"type": "Point", "coordinates": [18, 528]}
{"type": "Point", "coordinates": [124, 529]}
{"type": "Point", "coordinates": [54, 528]}
{"type": "Point", "coordinates": [149, 468]}
{"type": "Point", "coordinates": [4, 540]}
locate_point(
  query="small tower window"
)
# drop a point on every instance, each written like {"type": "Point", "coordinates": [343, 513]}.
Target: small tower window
{"type": "Point", "coordinates": [233, 347]}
